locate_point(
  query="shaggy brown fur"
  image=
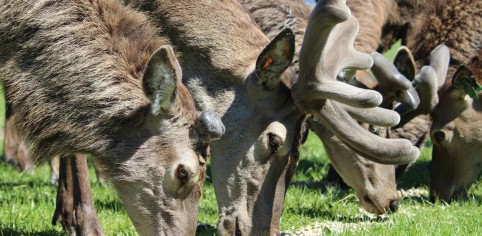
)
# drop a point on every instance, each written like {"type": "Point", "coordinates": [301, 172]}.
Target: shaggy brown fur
{"type": "Point", "coordinates": [244, 39]}
{"type": "Point", "coordinates": [372, 15]}
{"type": "Point", "coordinates": [73, 73]}
{"type": "Point", "coordinates": [457, 24]}
{"type": "Point", "coordinates": [72, 70]}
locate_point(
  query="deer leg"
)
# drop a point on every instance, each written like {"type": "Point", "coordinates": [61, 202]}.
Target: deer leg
{"type": "Point", "coordinates": [75, 207]}
{"type": "Point", "coordinates": [87, 222]}
{"type": "Point", "coordinates": [10, 144]}
{"type": "Point", "coordinates": [65, 200]}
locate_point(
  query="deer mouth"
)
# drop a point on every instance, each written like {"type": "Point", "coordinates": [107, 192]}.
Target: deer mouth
{"type": "Point", "coordinates": [375, 208]}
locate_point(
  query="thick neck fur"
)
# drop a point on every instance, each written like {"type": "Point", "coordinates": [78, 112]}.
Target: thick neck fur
{"type": "Point", "coordinates": [72, 70]}
{"type": "Point", "coordinates": [457, 24]}
{"type": "Point", "coordinates": [228, 42]}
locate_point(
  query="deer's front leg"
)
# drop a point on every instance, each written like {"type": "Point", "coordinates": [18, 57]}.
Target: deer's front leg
{"type": "Point", "coordinates": [75, 206]}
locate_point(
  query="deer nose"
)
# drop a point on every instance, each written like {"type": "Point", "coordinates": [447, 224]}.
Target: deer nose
{"type": "Point", "coordinates": [394, 204]}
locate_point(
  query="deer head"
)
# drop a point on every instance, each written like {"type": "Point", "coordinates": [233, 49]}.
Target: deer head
{"type": "Point", "coordinates": [160, 183]}
{"type": "Point", "coordinates": [457, 136]}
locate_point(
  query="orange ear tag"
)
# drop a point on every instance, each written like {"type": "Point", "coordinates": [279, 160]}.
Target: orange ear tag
{"type": "Point", "coordinates": [267, 63]}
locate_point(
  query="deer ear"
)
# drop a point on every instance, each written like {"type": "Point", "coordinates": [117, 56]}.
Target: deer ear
{"type": "Point", "coordinates": [160, 80]}
{"type": "Point", "coordinates": [275, 58]}
{"type": "Point", "coordinates": [405, 63]}
{"type": "Point", "coordinates": [464, 83]}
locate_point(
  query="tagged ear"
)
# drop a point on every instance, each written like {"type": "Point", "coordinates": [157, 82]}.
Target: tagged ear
{"type": "Point", "coordinates": [405, 63]}
{"type": "Point", "coordinates": [275, 58]}
{"type": "Point", "coordinates": [161, 76]}
{"type": "Point", "coordinates": [464, 83]}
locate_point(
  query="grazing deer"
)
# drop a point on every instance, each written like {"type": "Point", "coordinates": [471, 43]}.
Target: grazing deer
{"type": "Point", "coordinates": [374, 183]}
{"type": "Point", "coordinates": [244, 77]}
{"type": "Point", "coordinates": [454, 103]}
{"type": "Point", "coordinates": [422, 25]}
{"type": "Point", "coordinates": [93, 77]}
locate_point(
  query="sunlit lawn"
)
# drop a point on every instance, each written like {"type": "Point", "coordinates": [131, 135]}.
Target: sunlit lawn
{"type": "Point", "coordinates": [27, 203]}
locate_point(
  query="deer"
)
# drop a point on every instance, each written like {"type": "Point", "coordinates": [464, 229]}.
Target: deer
{"type": "Point", "coordinates": [263, 109]}
{"type": "Point", "coordinates": [422, 26]}
{"type": "Point", "coordinates": [374, 183]}
{"type": "Point", "coordinates": [95, 77]}
{"type": "Point", "coordinates": [453, 101]}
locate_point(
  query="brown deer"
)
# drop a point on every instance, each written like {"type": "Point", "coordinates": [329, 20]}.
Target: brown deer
{"type": "Point", "coordinates": [422, 26]}
{"type": "Point", "coordinates": [455, 108]}
{"type": "Point", "coordinates": [253, 163]}
{"type": "Point", "coordinates": [93, 77]}
{"type": "Point", "coordinates": [374, 183]}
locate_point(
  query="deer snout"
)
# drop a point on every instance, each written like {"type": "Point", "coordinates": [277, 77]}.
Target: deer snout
{"type": "Point", "coordinates": [380, 206]}
{"type": "Point", "coordinates": [393, 206]}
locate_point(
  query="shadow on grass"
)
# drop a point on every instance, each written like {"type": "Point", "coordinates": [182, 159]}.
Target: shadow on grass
{"type": "Point", "coordinates": [208, 178]}
{"type": "Point", "coordinates": [7, 231]}
{"type": "Point", "coordinates": [416, 176]}
{"type": "Point", "coordinates": [305, 165]}
{"type": "Point", "coordinates": [205, 230]}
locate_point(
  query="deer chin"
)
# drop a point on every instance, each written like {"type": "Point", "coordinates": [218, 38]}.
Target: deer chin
{"type": "Point", "coordinates": [371, 207]}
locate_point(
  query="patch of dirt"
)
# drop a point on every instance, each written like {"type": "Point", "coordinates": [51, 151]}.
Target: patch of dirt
{"type": "Point", "coordinates": [359, 223]}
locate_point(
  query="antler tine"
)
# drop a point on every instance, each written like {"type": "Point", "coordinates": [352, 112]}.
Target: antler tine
{"type": "Point", "coordinates": [393, 85]}
{"type": "Point", "coordinates": [439, 61]}
{"type": "Point", "coordinates": [327, 49]}
{"type": "Point", "coordinates": [426, 86]}
{"type": "Point", "coordinates": [376, 116]}
{"type": "Point", "coordinates": [371, 146]}
{"type": "Point", "coordinates": [427, 83]}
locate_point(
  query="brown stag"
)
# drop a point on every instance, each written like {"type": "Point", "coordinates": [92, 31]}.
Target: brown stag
{"type": "Point", "coordinates": [455, 108]}
{"type": "Point", "coordinates": [422, 25]}
{"type": "Point", "coordinates": [93, 77]}
{"type": "Point", "coordinates": [374, 183]}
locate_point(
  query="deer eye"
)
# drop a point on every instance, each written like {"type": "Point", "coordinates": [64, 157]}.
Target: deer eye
{"type": "Point", "coordinates": [439, 136]}
{"type": "Point", "coordinates": [274, 142]}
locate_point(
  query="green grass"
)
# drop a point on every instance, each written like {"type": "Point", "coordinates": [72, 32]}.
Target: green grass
{"type": "Point", "coordinates": [27, 202]}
